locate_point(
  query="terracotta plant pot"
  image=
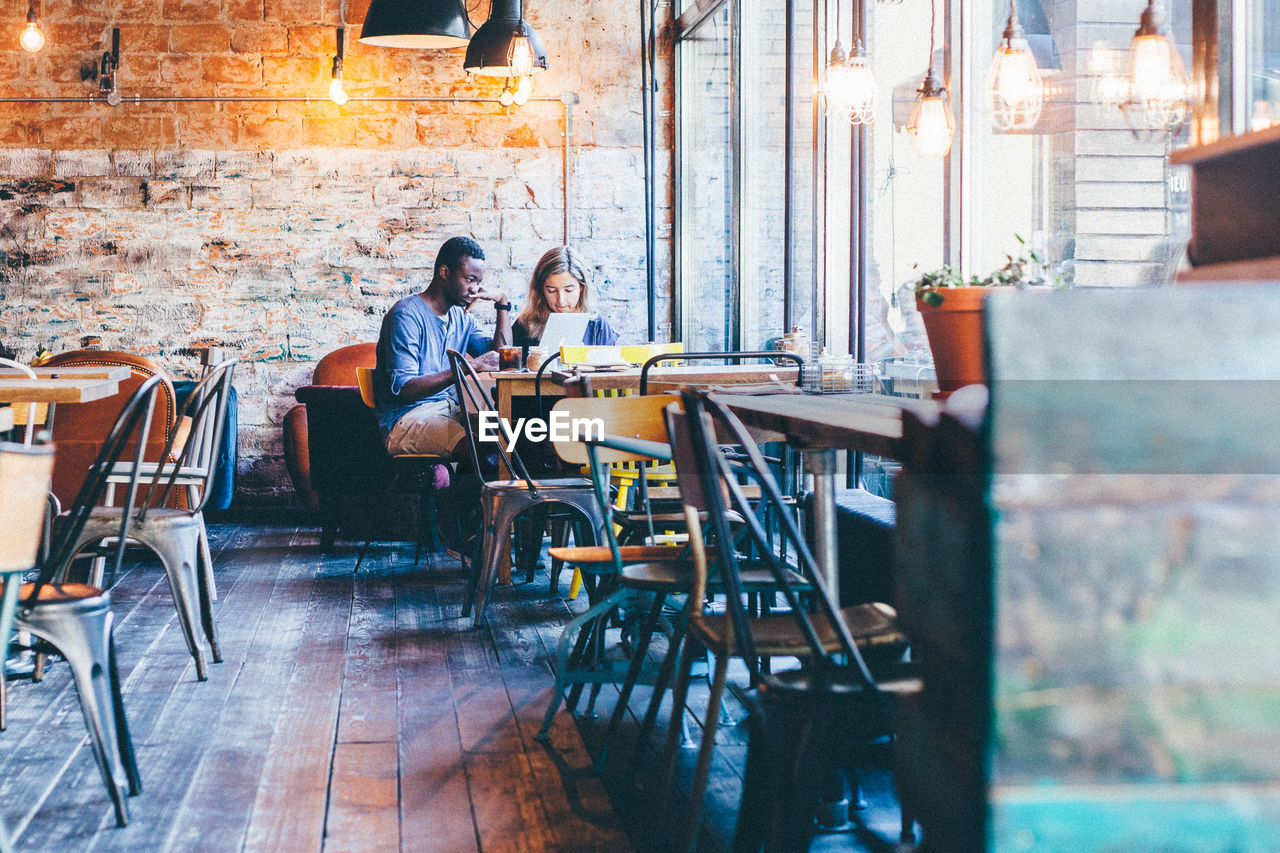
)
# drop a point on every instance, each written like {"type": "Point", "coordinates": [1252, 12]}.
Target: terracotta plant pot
{"type": "Point", "coordinates": [954, 329]}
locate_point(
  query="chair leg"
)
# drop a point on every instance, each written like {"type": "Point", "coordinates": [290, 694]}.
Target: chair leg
{"type": "Point", "coordinates": [125, 741]}
{"type": "Point", "coordinates": [678, 699]}
{"type": "Point", "coordinates": [179, 555]}
{"type": "Point", "coordinates": [633, 674]}
{"type": "Point", "coordinates": [206, 594]}
{"type": "Point", "coordinates": [708, 745]}
{"type": "Point", "coordinates": [565, 660]}
{"type": "Point", "coordinates": [675, 650]}
{"type": "Point", "coordinates": [84, 639]}
{"type": "Point", "coordinates": [206, 559]}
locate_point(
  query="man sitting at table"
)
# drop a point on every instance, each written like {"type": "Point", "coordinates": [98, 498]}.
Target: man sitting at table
{"type": "Point", "coordinates": [412, 383]}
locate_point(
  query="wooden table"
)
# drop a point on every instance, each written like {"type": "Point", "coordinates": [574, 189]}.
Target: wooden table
{"type": "Point", "coordinates": [73, 371]}
{"type": "Point", "coordinates": [520, 383]}
{"type": "Point", "coordinates": [821, 425]}
{"type": "Point", "coordinates": [17, 388]}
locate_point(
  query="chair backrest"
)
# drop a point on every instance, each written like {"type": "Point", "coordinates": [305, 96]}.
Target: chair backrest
{"type": "Point", "coordinates": [24, 488]}
{"type": "Point", "coordinates": [133, 419]}
{"type": "Point", "coordinates": [717, 476]}
{"type": "Point", "coordinates": [629, 417]}
{"type": "Point", "coordinates": [474, 399]}
{"type": "Point", "coordinates": [364, 379]}
{"type": "Point", "coordinates": [713, 356]}
{"type": "Point", "coordinates": [31, 407]}
{"type": "Point", "coordinates": [207, 408]}
{"type": "Point", "coordinates": [79, 429]}
{"type": "Point", "coordinates": [339, 366]}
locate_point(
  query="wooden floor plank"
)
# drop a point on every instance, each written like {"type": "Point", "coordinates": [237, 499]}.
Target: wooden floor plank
{"type": "Point", "coordinates": [363, 805]}
{"type": "Point", "coordinates": [289, 812]}
{"type": "Point", "coordinates": [435, 801]}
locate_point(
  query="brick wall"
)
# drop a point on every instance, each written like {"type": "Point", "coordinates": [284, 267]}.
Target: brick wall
{"type": "Point", "coordinates": [284, 230]}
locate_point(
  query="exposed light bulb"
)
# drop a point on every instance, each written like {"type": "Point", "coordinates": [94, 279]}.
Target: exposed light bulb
{"type": "Point", "coordinates": [1109, 86]}
{"type": "Point", "coordinates": [508, 96]}
{"type": "Point", "coordinates": [850, 86]}
{"type": "Point", "coordinates": [931, 124]}
{"type": "Point", "coordinates": [1014, 91]}
{"type": "Point", "coordinates": [1157, 99]}
{"type": "Point", "coordinates": [520, 58]}
{"type": "Point", "coordinates": [524, 88]}
{"type": "Point", "coordinates": [32, 39]}
{"type": "Point", "coordinates": [337, 94]}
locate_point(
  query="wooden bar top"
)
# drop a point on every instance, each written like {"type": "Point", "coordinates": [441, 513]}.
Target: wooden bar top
{"type": "Point", "coordinates": [20, 389]}
{"type": "Point", "coordinates": [870, 423]}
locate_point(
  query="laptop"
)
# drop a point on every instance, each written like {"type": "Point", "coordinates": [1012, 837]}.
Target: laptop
{"type": "Point", "coordinates": [565, 330]}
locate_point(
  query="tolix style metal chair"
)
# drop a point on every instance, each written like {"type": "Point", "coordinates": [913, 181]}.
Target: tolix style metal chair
{"type": "Point", "coordinates": [76, 618]}
{"type": "Point", "coordinates": [503, 500]}
{"type": "Point", "coordinates": [174, 534]}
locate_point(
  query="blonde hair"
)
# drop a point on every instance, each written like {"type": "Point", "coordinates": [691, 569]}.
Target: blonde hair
{"type": "Point", "coordinates": [536, 310]}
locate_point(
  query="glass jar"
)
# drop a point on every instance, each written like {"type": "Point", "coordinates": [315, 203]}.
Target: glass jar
{"type": "Point", "coordinates": [535, 358]}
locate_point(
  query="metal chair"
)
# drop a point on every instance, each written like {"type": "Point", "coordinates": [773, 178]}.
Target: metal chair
{"type": "Point", "coordinates": [76, 618]}
{"type": "Point", "coordinates": [503, 500]}
{"type": "Point", "coordinates": [831, 641]}
{"type": "Point", "coordinates": [174, 533]}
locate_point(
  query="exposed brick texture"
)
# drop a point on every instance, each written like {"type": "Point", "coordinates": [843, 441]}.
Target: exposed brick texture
{"type": "Point", "coordinates": [284, 230]}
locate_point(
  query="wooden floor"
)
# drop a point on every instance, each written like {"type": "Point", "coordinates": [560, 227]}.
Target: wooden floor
{"type": "Point", "coordinates": [351, 712]}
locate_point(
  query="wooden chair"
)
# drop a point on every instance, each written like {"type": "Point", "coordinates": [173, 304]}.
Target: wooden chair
{"type": "Point", "coordinates": [831, 641]}
{"type": "Point", "coordinates": [414, 462]}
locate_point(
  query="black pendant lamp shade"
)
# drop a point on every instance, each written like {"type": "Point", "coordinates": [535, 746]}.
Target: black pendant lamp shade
{"type": "Point", "coordinates": [416, 24]}
{"type": "Point", "coordinates": [489, 53]}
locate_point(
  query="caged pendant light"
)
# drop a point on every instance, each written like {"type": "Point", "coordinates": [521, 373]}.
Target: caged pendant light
{"type": "Point", "coordinates": [1157, 101]}
{"type": "Point", "coordinates": [1014, 91]}
{"type": "Point", "coordinates": [849, 87]}
{"type": "Point", "coordinates": [931, 125]}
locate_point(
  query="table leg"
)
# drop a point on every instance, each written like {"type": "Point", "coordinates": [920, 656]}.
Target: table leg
{"type": "Point", "coordinates": [822, 464]}
{"type": "Point", "coordinates": [504, 412]}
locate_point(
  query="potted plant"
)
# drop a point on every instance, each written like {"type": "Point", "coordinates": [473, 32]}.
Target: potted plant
{"type": "Point", "coordinates": [951, 308]}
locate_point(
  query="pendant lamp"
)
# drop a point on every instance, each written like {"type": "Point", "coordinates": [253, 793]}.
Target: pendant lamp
{"type": "Point", "coordinates": [505, 45]}
{"type": "Point", "coordinates": [1015, 94]}
{"type": "Point", "coordinates": [1157, 102]}
{"type": "Point", "coordinates": [931, 125]}
{"type": "Point", "coordinates": [416, 24]}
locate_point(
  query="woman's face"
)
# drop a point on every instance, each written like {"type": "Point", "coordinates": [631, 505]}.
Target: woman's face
{"type": "Point", "coordinates": [562, 292]}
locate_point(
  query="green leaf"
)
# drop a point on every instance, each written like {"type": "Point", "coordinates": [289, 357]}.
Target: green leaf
{"type": "Point", "coordinates": [931, 297]}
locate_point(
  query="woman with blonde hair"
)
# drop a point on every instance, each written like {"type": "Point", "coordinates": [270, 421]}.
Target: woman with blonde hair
{"type": "Point", "coordinates": [559, 285]}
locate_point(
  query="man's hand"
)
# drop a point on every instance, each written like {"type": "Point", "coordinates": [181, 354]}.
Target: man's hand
{"type": "Point", "coordinates": [490, 295]}
{"type": "Point", "coordinates": [486, 363]}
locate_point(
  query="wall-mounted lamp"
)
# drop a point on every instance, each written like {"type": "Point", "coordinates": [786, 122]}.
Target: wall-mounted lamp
{"type": "Point", "coordinates": [107, 85]}
{"type": "Point", "coordinates": [32, 39]}
{"type": "Point", "coordinates": [416, 24]}
{"type": "Point", "coordinates": [1015, 93]}
{"type": "Point", "coordinates": [1157, 101]}
{"type": "Point", "coordinates": [931, 124]}
{"type": "Point", "coordinates": [337, 94]}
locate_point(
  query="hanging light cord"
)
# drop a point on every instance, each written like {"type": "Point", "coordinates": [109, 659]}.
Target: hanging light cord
{"type": "Point", "coordinates": [933, 14]}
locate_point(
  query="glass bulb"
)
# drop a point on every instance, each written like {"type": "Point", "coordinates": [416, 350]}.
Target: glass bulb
{"type": "Point", "coordinates": [337, 94]}
{"type": "Point", "coordinates": [1014, 91]}
{"type": "Point", "coordinates": [862, 89]}
{"type": "Point", "coordinates": [31, 39]}
{"type": "Point", "coordinates": [931, 124]}
{"type": "Point", "coordinates": [520, 57]}
{"type": "Point", "coordinates": [524, 88]}
{"type": "Point", "coordinates": [1157, 97]}
{"type": "Point", "coordinates": [849, 88]}
{"type": "Point", "coordinates": [508, 96]}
